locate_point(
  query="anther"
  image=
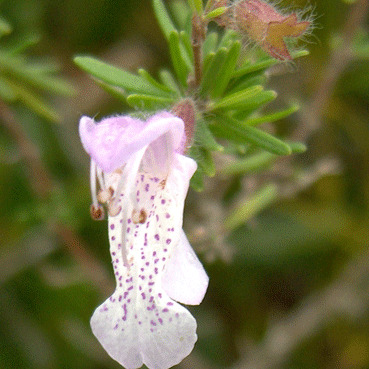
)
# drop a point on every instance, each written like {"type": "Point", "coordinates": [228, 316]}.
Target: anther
{"type": "Point", "coordinates": [97, 212]}
{"type": "Point", "coordinates": [139, 216]}
{"type": "Point", "coordinates": [105, 195]}
{"type": "Point", "coordinates": [114, 209]}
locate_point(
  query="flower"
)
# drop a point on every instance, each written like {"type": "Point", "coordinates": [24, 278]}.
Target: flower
{"type": "Point", "coordinates": [143, 179]}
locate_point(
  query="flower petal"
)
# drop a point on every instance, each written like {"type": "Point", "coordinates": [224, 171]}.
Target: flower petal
{"type": "Point", "coordinates": [184, 278]}
{"type": "Point", "coordinates": [140, 323]}
{"type": "Point", "coordinates": [112, 141]}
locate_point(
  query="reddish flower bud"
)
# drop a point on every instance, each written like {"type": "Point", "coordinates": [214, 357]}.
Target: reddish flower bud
{"type": "Point", "coordinates": [264, 25]}
{"type": "Point", "coordinates": [185, 110]}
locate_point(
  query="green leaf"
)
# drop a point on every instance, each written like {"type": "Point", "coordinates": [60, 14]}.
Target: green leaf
{"type": "Point", "coordinates": [264, 64]}
{"type": "Point", "coordinates": [16, 67]}
{"type": "Point", "coordinates": [210, 76]}
{"type": "Point", "coordinates": [297, 147]}
{"type": "Point", "coordinates": [258, 201]}
{"type": "Point", "coordinates": [180, 66]}
{"type": "Point", "coordinates": [181, 14]}
{"type": "Point", "coordinates": [197, 181]}
{"type": "Point", "coordinates": [204, 137]}
{"type": "Point", "coordinates": [251, 68]}
{"type": "Point", "coordinates": [31, 100]}
{"type": "Point", "coordinates": [236, 131]}
{"type": "Point", "coordinates": [272, 117]}
{"type": "Point", "coordinates": [167, 78]}
{"type": "Point", "coordinates": [238, 99]}
{"type": "Point", "coordinates": [210, 43]}
{"type": "Point", "coordinates": [216, 12]}
{"type": "Point", "coordinates": [255, 103]}
{"type": "Point", "coordinates": [116, 77]}
{"type": "Point", "coordinates": [204, 160]}
{"type": "Point", "coordinates": [228, 38]}
{"type": "Point", "coordinates": [23, 44]}
{"type": "Point", "coordinates": [196, 5]}
{"type": "Point", "coordinates": [186, 42]}
{"type": "Point", "coordinates": [251, 164]}
{"type": "Point", "coordinates": [225, 74]}
{"type": "Point", "coordinates": [244, 83]}
{"type": "Point", "coordinates": [147, 102]}
{"type": "Point", "coordinates": [163, 18]}
{"type": "Point", "coordinates": [146, 75]}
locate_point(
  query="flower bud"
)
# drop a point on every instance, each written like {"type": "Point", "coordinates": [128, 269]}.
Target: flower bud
{"type": "Point", "coordinates": [185, 110]}
{"type": "Point", "coordinates": [264, 25]}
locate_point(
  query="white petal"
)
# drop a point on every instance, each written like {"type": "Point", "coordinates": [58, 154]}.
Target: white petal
{"type": "Point", "coordinates": [184, 278]}
{"type": "Point", "coordinates": [140, 324]}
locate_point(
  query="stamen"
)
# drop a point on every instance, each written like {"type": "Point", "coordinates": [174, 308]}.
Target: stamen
{"type": "Point", "coordinates": [93, 184]}
{"type": "Point", "coordinates": [100, 178]}
{"type": "Point", "coordinates": [97, 212]}
{"type": "Point", "coordinates": [105, 195]}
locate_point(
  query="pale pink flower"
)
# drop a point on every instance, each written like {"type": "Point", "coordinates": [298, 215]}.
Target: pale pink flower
{"type": "Point", "coordinates": [143, 179]}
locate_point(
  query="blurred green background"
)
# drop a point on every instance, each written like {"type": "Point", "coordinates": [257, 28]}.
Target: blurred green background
{"type": "Point", "coordinates": [289, 289]}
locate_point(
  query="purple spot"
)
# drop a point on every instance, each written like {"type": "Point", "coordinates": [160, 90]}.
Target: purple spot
{"type": "Point", "coordinates": [152, 323]}
{"type": "Point", "coordinates": [116, 326]}
{"type": "Point", "coordinates": [120, 298]}
{"type": "Point", "coordinates": [129, 221]}
{"type": "Point", "coordinates": [112, 226]}
{"type": "Point", "coordinates": [151, 283]}
{"type": "Point", "coordinates": [156, 270]}
{"type": "Point", "coordinates": [143, 296]}
{"type": "Point", "coordinates": [169, 303]}
{"type": "Point", "coordinates": [154, 253]}
{"type": "Point", "coordinates": [113, 253]}
{"type": "Point", "coordinates": [151, 299]}
{"type": "Point", "coordinates": [168, 241]}
{"type": "Point", "coordinates": [157, 217]}
{"type": "Point", "coordinates": [113, 238]}
{"type": "Point", "coordinates": [163, 201]}
{"type": "Point", "coordinates": [152, 197]}
{"type": "Point", "coordinates": [130, 288]}
{"type": "Point", "coordinates": [157, 237]}
{"type": "Point", "coordinates": [147, 187]}
{"type": "Point", "coordinates": [128, 229]}
{"type": "Point", "coordinates": [165, 310]}
{"type": "Point", "coordinates": [167, 215]}
{"type": "Point", "coordinates": [160, 321]}
{"type": "Point", "coordinates": [156, 260]}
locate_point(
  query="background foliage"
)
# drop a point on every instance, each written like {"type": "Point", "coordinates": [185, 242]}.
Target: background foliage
{"type": "Point", "coordinates": [288, 289]}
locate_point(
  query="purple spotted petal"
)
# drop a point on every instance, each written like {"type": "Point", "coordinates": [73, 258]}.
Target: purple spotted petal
{"type": "Point", "coordinates": [112, 141]}
{"type": "Point", "coordinates": [140, 323]}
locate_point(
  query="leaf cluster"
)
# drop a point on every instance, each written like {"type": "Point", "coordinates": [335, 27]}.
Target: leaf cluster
{"type": "Point", "coordinates": [228, 99]}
